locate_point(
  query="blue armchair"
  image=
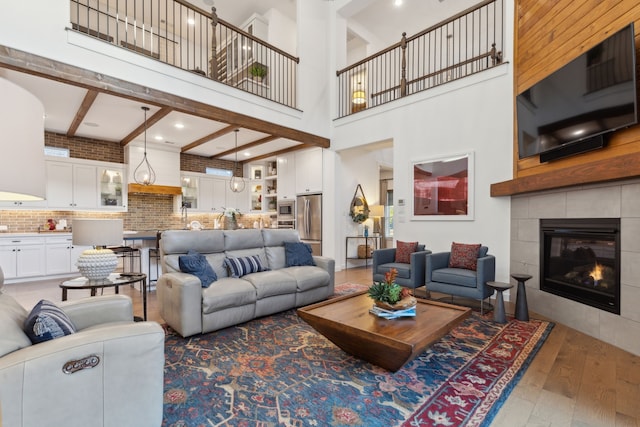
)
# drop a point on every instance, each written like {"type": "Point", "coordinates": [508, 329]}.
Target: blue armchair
{"type": "Point", "coordinates": [458, 281]}
{"type": "Point", "coordinates": [409, 275]}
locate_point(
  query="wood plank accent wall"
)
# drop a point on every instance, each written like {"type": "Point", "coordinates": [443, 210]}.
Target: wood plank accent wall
{"type": "Point", "coordinates": [548, 35]}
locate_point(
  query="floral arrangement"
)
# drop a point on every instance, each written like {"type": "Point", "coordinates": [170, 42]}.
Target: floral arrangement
{"type": "Point", "coordinates": [388, 291]}
{"type": "Point", "coordinates": [230, 213]}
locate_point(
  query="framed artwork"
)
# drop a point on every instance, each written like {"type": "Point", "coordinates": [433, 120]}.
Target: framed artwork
{"type": "Point", "coordinates": [443, 188]}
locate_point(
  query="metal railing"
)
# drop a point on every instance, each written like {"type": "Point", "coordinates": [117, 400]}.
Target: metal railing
{"type": "Point", "coordinates": [464, 44]}
{"type": "Point", "coordinates": [185, 36]}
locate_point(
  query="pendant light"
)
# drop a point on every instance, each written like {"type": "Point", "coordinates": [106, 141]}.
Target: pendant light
{"type": "Point", "coordinates": [144, 173]}
{"type": "Point", "coordinates": [237, 182]}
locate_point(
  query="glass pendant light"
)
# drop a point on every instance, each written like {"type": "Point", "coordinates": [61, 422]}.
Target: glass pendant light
{"type": "Point", "coordinates": [144, 173]}
{"type": "Point", "coordinates": [237, 182]}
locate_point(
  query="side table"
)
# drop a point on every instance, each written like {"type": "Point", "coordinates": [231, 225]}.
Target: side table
{"type": "Point", "coordinates": [369, 241]}
{"type": "Point", "coordinates": [498, 311]}
{"type": "Point", "coordinates": [522, 310]}
{"type": "Point", "coordinates": [114, 280]}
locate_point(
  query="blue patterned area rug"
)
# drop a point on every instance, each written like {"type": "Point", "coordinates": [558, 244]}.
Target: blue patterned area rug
{"type": "Point", "coordinates": [278, 371]}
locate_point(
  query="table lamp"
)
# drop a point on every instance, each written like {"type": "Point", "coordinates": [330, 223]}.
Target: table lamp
{"type": "Point", "coordinates": [376, 212]}
{"type": "Point", "coordinates": [99, 262]}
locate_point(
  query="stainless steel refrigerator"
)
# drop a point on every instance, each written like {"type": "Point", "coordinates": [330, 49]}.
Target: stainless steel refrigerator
{"type": "Point", "coordinates": [309, 220]}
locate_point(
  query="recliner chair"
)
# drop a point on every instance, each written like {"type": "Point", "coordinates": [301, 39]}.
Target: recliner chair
{"type": "Point", "coordinates": [409, 275]}
{"type": "Point", "coordinates": [439, 277]}
{"type": "Point", "coordinates": [107, 374]}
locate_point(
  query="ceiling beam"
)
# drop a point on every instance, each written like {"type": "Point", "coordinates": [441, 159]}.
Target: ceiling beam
{"type": "Point", "coordinates": [159, 115]}
{"type": "Point", "coordinates": [29, 63]}
{"type": "Point", "coordinates": [276, 153]}
{"type": "Point", "coordinates": [208, 138]}
{"type": "Point", "coordinates": [87, 102]}
{"type": "Point", "coordinates": [245, 146]}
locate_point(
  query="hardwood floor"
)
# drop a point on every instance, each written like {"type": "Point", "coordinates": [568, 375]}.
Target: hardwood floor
{"type": "Point", "coordinates": [574, 380]}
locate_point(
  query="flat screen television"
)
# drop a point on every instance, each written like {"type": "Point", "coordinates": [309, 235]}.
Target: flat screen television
{"type": "Point", "coordinates": [575, 109]}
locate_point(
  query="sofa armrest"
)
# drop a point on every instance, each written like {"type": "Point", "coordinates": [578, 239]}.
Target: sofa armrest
{"type": "Point", "coordinates": [435, 261]}
{"type": "Point", "coordinates": [418, 265]}
{"type": "Point", "coordinates": [486, 270]}
{"type": "Point", "coordinates": [329, 265]}
{"type": "Point", "coordinates": [117, 378]}
{"type": "Point", "coordinates": [180, 302]}
{"type": "Point", "coordinates": [93, 311]}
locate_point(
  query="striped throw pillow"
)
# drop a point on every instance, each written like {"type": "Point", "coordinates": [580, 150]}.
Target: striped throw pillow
{"type": "Point", "coordinates": [238, 267]}
{"type": "Point", "coordinates": [46, 322]}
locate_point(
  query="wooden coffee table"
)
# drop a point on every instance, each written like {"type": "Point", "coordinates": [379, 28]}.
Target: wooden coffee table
{"type": "Point", "coordinates": [346, 322]}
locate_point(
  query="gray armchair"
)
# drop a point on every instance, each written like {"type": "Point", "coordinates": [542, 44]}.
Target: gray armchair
{"type": "Point", "coordinates": [409, 275]}
{"type": "Point", "coordinates": [108, 373]}
{"type": "Point", "coordinates": [458, 281]}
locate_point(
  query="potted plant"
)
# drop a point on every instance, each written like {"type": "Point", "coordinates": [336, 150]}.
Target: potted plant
{"type": "Point", "coordinates": [258, 71]}
{"type": "Point", "coordinates": [389, 295]}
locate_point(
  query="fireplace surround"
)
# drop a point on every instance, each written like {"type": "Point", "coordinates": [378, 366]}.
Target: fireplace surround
{"type": "Point", "coordinates": [580, 260]}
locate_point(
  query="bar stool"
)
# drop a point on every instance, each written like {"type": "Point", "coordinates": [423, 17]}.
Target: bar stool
{"type": "Point", "coordinates": [127, 252]}
{"type": "Point", "coordinates": [522, 310]}
{"type": "Point", "coordinates": [154, 253]}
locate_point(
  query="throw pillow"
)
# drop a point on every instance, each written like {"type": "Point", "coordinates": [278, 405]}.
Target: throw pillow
{"type": "Point", "coordinates": [404, 251]}
{"type": "Point", "coordinates": [195, 263]}
{"type": "Point", "coordinates": [298, 253]}
{"type": "Point", "coordinates": [238, 267]}
{"type": "Point", "coordinates": [464, 256]}
{"type": "Point", "coordinates": [46, 322]}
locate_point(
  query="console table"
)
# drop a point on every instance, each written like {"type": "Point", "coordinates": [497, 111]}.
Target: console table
{"type": "Point", "coordinates": [369, 242]}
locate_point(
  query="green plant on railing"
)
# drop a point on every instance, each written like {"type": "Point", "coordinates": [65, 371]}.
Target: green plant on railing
{"type": "Point", "coordinates": [258, 70]}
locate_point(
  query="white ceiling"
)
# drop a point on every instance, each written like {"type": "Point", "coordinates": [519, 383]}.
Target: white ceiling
{"type": "Point", "coordinates": [113, 118]}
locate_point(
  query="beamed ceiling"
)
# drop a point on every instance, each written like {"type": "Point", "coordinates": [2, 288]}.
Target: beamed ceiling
{"type": "Point", "coordinates": [86, 104]}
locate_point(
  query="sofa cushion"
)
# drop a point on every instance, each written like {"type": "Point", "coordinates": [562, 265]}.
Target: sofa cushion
{"type": "Point", "coordinates": [46, 322]}
{"type": "Point", "coordinates": [12, 317]}
{"type": "Point", "coordinates": [271, 283]}
{"type": "Point", "coordinates": [308, 277]}
{"type": "Point", "coordinates": [404, 251]}
{"type": "Point", "coordinates": [404, 270]}
{"type": "Point", "coordinates": [239, 266]}
{"type": "Point", "coordinates": [455, 276]}
{"type": "Point", "coordinates": [227, 292]}
{"type": "Point", "coordinates": [464, 256]}
{"type": "Point", "coordinates": [298, 254]}
{"type": "Point", "coordinates": [197, 264]}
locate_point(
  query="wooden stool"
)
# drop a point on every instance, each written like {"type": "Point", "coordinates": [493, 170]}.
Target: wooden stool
{"type": "Point", "coordinates": [522, 310]}
{"type": "Point", "coordinates": [499, 315]}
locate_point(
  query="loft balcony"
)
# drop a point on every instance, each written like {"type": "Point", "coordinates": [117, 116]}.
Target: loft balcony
{"type": "Point", "coordinates": [185, 36]}
{"type": "Point", "coordinates": [465, 44]}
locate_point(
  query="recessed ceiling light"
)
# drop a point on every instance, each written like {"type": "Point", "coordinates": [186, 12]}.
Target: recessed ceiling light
{"type": "Point", "coordinates": [397, 3]}
{"type": "Point", "coordinates": [158, 137]}
{"type": "Point", "coordinates": [247, 154]}
{"type": "Point", "coordinates": [191, 21]}
{"type": "Point", "coordinates": [91, 124]}
{"type": "Point", "coordinates": [179, 126]}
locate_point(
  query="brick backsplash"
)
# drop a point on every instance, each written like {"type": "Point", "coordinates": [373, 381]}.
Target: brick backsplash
{"type": "Point", "coordinates": [145, 211]}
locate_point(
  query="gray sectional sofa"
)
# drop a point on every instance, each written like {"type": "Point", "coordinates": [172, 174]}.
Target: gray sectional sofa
{"type": "Point", "coordinates": [191, 309]}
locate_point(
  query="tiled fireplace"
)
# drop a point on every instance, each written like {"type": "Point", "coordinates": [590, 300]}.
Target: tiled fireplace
{"type": "Point", "coordinates": [612, 202]}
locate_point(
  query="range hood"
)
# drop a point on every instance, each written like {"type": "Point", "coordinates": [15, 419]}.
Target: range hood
{"type": "Point", "coordinates": [166, 163]}
{"type": "Point", "coordinates": [154, 189]}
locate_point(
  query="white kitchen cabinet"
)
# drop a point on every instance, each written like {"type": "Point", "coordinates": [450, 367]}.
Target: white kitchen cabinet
{"type": "Point", "coordinates": [113, 190]}
{"type": "Point", "coordinates": [22, 257]}
{"type": "Point", "coordinates": [71, 186]}
{"type": "Point", "coordinates": [213, 194]}
{"type": "Point", "coordinates": [308, 165]}
{"type": "Point", "coordinates": [286, 177]}
{"type": "Point", "coordinates": [62, 255]}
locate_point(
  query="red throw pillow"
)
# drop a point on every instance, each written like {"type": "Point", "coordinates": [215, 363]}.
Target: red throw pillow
{"type": "Point", "coordinates": [464, 256]}
{"type": "Point", "coordinates": [404, 251]}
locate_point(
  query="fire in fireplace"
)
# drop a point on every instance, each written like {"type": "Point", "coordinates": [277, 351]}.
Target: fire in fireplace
{"type": "Point", "coordinates": [580, 260]}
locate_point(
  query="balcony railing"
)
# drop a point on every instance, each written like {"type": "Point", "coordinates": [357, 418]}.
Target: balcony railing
{"type": "Point", "coordinates": [182, 35]}
{"type": "Point", "coordinates": [462, 45]}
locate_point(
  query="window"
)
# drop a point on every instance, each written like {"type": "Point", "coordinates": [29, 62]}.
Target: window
{"type": "Point", "coordinates": [388, 215]}
{"type": "Point", "coordinates": [56, 152]}
{"type": "Point", "coordinates": [219, 172]}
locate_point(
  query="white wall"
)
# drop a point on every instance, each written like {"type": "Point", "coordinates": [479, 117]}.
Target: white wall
{"type": "Point", "coordinates": [473, 114]}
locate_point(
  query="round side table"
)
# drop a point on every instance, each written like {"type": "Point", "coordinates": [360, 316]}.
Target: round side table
{"type": "Point", "coordinates": [499, 315]}
{"type": "Point", "coordinates": [522, 310]}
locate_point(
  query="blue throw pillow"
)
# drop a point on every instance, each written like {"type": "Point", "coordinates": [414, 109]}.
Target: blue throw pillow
{"type": "Point", "coordinates": [298, 253]}
{"type": "Point", "coordinates": [197, 264]}
{"type": "Point", "coordinates": [238, 267]}
{"type": "Point", "coordinates": [46, 322]}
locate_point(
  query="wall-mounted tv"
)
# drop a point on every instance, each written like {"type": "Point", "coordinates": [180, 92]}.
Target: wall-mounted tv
{"type": "Point", "coordinates": [574, 109]}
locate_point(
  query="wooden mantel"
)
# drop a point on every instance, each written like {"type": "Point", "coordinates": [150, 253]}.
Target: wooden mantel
{"type": "Point", "coordinates": [610, 169]}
